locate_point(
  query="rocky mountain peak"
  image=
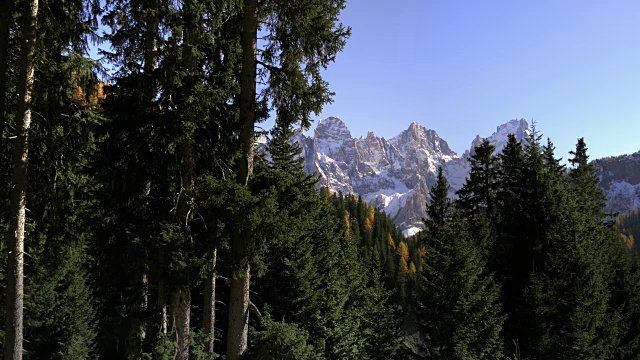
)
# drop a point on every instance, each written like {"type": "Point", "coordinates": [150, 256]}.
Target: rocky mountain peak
{"type": "Point", "coordinates": [332, 127]}
{"type": "Point", "coordinates": [417, 137]}
{"type": "Point", "coordinates": [520, 128]}
{"type": "Point", "coordinates": [330, 136]}
{"type": "Point", "coordinates": [394, 175]}
{"type": "Point", "coordinates": [371, 135]}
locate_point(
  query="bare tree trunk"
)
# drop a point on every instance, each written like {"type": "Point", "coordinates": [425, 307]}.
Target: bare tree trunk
{"type": "Point", "coordinates": [150, 44]}
{"type": "Point", "coordinates": [209, 319]}
{"type": "Point", "coordinates": [162, 305]}
{"type": "Point", "coordinates": [138, 329]}
{"type": "Point", "coordinates": [239, 298]}
{"type": "Point", "coordinates": [15, 269]}
{"type": "Point", "coordinates": [239, 322]}
{"type": "Point", "coordinates": [5, 18]}
{"type": "Point", "coordinates": [181, 315]}
{"type": "Point", "coordinates": [181, 296]}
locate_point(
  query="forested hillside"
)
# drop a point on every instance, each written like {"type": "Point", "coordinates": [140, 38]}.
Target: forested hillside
{"type": "Point", "coordinates": [620, 179]}
{"type": "Point", "coordinates": [629, 226]}
{"type": "Point", "coordinates": [140, 222]}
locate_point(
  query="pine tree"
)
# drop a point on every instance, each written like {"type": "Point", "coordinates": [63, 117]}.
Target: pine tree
{"type": "Point", "coordinates": [439, 209]}
{"type": "Point", "coordinates": [15, 270]}
{"type": "Point", "coordinates": [458, 310]}
{"type": "Point", "coordinates": [287, 286]}
{"type": "Point", "coordinates": [606, 257]}
{"type": "Point", "coordinates": [630, 334]}
{"type": "Point", "coordinates": [59, 322]}
{"type": "Point", "coordinates": [563, 255]}
{"type": "Point", "coordinates": [510, 210]}
{"type": "Point", "coordinates": [522, 197]}
{"type": "Point", "coordinates": [171, 143]}
{"type": "Point", "coordinates": [584, 182]}
{"type": "Point", "coordinates": [477, 199]}
{"type": "Point", "coordinates": [478, 194]}
{"type": "Point", "coordinates": [380, 324]}
{"type": "Point", "coordinates": [290, 62]}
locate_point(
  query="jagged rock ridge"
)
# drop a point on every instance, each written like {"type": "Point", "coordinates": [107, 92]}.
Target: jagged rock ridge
{"type": "Point", "coordinates": [394, 175]}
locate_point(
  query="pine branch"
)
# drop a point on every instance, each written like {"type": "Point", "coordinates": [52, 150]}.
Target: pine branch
{"type": "Point", "coordinates": [254, 308]}
{"type": "Point", "coordinates": [271, 68]}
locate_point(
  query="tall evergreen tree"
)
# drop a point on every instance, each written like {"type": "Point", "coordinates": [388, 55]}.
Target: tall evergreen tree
{"type": "Point", "coordinates": [510, 210]}
{"type": "Point", "coordinates": [584, 182]}
{"type": "Point", "coordinates": [439, 209]}
{"type": "Point", "coordinates": [290, 62]}
{"type": "Point", "coordinates": [477, 199]}
{"type": "Point", "coordinates": [582, 325]}
{"type": "Point", "coordinates": [458, 310]}
{"type": "Point", "coordinates": [478, 194]}
{"type": "Point", "coordinates": [15, 270]}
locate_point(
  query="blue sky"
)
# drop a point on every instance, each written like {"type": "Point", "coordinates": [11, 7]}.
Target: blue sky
{"type": "Point", "coordinates": [464, 67]}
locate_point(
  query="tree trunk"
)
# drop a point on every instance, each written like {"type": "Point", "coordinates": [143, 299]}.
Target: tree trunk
{"type": "Point", "coordinates": [238, 333]}
{"type": "Point", "coordinates": [5, 19]}
{"type": "Point", "coordinates": [138, 329]}
{"type": "Point", "coordinates": [181, 315]}
{"type": "Point", "coordinates": [141, 307]}
{"type": "Point", "coordinates": [150, 44]}
{"type": "Point", "coordinates": [15, 261]}
{"type": "Point", "coordinates": [162, 305]}
{"type": "Point", "coordinates": [209, 319]}
{"type": "Point", "coordinates": [180, 299]}
{"type": "Point", "coordinates": [239, 298]}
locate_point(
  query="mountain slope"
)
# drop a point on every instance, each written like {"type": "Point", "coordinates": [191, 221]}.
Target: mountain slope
{"type": "Point", "coordinates": [394, 175]}
{"type": "Point", "coordinates": [620, 180]}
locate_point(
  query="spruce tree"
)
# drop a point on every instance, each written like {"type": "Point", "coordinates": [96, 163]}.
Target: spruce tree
{"type": "Point", "coordinates": [584, 182]}
{"type": "Point", "coordinates": [458, 309]}
{"type": "Point", "coordinates": [381, 331]}
{"type": "Point", "coordinates": [171, 139]}
{"type": "Point", "coordinates": [290, 64]}
{"type": "Point", "coordinates": [478, 194]}
{"type": "Point", "coordinates": [287, 286]}
{"type": "Point", "coordinates": [572, 328]}
{"type": "Point", "coordinates": [510, 210]}
{"type": "Point", "coordinates": [439, 209]}
{"type": "Point", "coordinates": [477, 199]}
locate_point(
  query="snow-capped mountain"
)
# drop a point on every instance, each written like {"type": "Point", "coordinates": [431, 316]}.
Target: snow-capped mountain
{"type": "Point", "coordinates": [620, 180]}
{"type": "Point", "coordinates": [394, 175]}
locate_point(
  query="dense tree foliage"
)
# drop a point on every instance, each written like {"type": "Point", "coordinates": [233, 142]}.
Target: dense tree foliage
{"type": "Point", "coordinates": [560, 280]}
{"type": "Point", "coordinates": [629, 225]}
{"type": "Point", "coordinates": [149, 225]}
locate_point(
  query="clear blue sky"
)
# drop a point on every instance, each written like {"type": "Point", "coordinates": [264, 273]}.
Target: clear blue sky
{"type": "Point", "coordinates": [464, 67]}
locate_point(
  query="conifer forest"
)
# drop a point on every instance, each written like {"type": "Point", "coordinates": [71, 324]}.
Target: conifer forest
{"type": "Point", "coordinates": [141, 222]}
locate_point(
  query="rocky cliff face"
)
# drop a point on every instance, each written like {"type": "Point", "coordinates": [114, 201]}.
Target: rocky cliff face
{"type": "Point", "coordinates": [394, 175]}
{"type": "Point", "coordinates": [620, 180]}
